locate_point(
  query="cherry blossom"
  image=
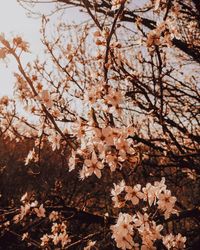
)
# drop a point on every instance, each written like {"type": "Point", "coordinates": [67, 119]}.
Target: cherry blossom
{"type": "Point", "coordinates": [93, 165]}
{"type": "Point", "coordinates": [53, 216]}
{"type": "Point", "coordinates": [123, 231]}
{"type": "Point", "coordinates": [45, 239]}
{"type": "Point", "coordinates": [90, 244]}
{"type": "Point", "coordinates": [40, 212]}
{"type": "Point", "coordinates": [117, 3]}
{"type": "Point", "coordinates": [54, 138]}
{"type": "Point", "coordinates": [46, 98]}
{"type": "Point", "coordinates": [133, 194]}
{"type": "Point", "coordinates": [166, 203]}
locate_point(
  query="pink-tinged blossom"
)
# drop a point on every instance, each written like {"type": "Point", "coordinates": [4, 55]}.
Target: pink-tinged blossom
{"type": "Point", "coordinates": [24, 210]}
{"type": "Point", "coordinates": [46, 99]}
{"type": "Point", "coordinates": [93, 166]}
{"type": "Point", "coordinates": [83, 173]}
{"type": "Point", "coordinates": [55, 239]}
{"type": "Point", "coordinates": [40, 212]}
{"type": "Point", "coordinates": [25, 236]}
{"type": "Point", "coordinates": [118, 188]}
{"type": "Point", "coordinates": [124, 147]}
{"type": "Point", "coordinates": [34, 204]}
{"type": "Point", "coordinates": [112, 161]}
{"type": "Point", "coordinates": [59, 234]}
{"type": "Point", "coordinates": [166, 203]}
{"type": "Point", "coordinates": [114, 98]}
{"type": "Point", "coordinates": [45, 239]}
{"type": "Point", "coordinates": [105, 135]}
{"type": "Point", "coordinates": [55, 228]}
{"type": "Point", "coordinates": [117, 3]}
{"type": "Point", "coordinates": [90, 245]}
{"type": "Point", "coordinates": [115, 192]}
{"type": "Point", "coordinates": [174, 241]}
{"type": "Point", "coordinates": [72, 161]}
{"type": "Point", "coordinates": [19, 43]}
{"type": "Point", "coordinates": [123, 231]}
{"type": "Point", "coordinates": [149, 233]}
{"type": "Point", "coordinates": [24, 197]}
{"type": "Point", "coordinates": [53, 216]}
{"type": "Point", "coordinates": [180, 241]}
{"type": "Point", "coordinates": [31, 156]}
{"type": "Point", "coordinates": [160, 186]}
{"type": "Point", "coordinates": [150, 193]}
{"type": "Point", "coordinates": [54, 139]}
{"type": "Point", "coordinates": [134, 194]}
{"type": "Point", "coordinates": [141, 220]}
{"type": "Point", "coordinates": [64, 238]}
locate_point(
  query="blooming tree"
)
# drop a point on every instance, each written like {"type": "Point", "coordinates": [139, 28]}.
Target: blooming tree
{"type": "Point", "coordinates": [117, 97]}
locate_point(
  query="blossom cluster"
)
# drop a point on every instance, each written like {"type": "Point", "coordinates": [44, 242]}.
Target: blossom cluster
{"type": "Point", "coordinates": [117, 3]}
{"type": "Point", "coordinates": [102, 147]}
{"type": "Point", "coordinates": [58, 234]}
{"type": "Point", "coordinates": [148, 203]}
{"type": "Point", "coordinates": [29, 208]}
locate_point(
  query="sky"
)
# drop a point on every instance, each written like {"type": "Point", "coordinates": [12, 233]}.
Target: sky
{"type": "Point", "coordinates": [14, 21]}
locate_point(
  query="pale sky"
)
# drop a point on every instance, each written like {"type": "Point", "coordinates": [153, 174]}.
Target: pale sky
{"type": "Point", "coordinates": [14, 21]}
